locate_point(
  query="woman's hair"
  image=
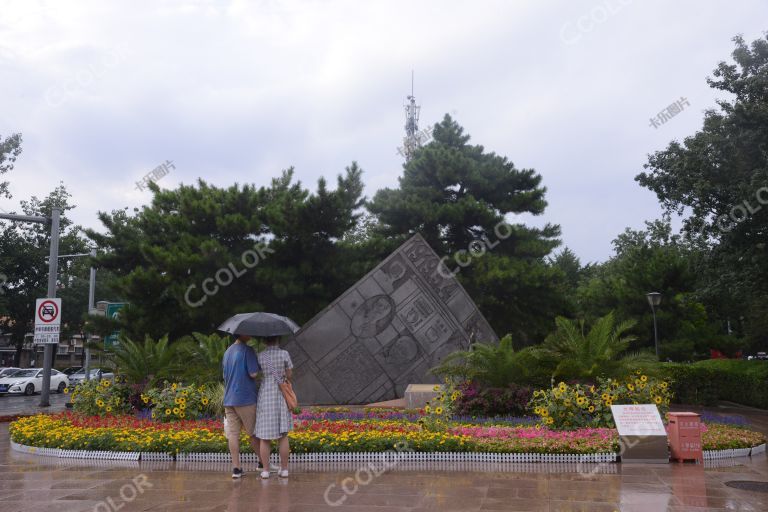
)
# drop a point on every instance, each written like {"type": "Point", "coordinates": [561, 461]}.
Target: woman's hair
{"type": "Point", "coordinates": [272, 341]}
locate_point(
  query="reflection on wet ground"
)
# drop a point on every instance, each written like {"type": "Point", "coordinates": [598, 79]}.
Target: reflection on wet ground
{"type": "Point", "coordinates": [29, 482]}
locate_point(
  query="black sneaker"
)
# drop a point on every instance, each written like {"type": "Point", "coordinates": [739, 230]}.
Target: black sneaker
{"type": "Point", "coordinates": [237, 473]}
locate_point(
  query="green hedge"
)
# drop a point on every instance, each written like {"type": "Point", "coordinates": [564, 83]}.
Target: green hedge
{"type": "Point", "coordinates": [706, 382]}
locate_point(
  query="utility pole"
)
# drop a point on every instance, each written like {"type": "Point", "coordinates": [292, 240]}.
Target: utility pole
{"type": "Point", "coordinates": [53, 260]}
{"type": "Point", "coordinates": [91, 305]}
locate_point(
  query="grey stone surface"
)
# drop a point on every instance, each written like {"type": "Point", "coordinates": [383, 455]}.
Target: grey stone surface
{"type": "Point", "coordinates": [386, 331]}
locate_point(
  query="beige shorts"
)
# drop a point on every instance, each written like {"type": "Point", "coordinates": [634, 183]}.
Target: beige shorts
{"type": "Point", "coordinates": [240, 418]}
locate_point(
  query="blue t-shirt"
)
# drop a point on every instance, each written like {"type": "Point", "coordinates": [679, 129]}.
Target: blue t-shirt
{"type": "Point", "coordinates": [239, 388]}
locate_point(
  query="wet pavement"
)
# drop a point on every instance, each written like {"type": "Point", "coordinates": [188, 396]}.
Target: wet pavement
{"type": "Point", "coordinates": [31, 483]}
{"type": "Point", "coordinates": [13, 405]}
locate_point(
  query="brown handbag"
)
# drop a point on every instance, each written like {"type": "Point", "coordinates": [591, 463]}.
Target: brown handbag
{"type": "Point", "coordinates": [286, 389]}
{"type": "Point", "coordinates": [290, 396]}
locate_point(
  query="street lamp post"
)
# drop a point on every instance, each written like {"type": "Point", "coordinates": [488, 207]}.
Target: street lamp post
{"type": "Point", "coordinates": [654, 299]}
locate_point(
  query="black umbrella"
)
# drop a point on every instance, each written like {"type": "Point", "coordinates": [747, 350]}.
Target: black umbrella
{"type": "Point", "coordinates": [261, 325]}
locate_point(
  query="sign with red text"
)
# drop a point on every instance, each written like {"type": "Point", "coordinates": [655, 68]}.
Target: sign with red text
{"type": "Point", "coordinates": [638, 420]}
{"type": "Point", "coordinates": [47, 321]}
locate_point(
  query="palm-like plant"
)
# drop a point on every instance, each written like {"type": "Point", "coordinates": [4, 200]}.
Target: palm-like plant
{"type": "Point", "coordinates": [600, 352]}
{"type": "Point", "coordinates": [146, 364]}
{"type": "Point", "coordinates": [203, 355]}
{"type": "Point", "coordinates": [494, 365]}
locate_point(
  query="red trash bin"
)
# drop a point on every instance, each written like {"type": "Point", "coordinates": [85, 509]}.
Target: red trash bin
{"type": "Point", "coordinates": [684, 431]}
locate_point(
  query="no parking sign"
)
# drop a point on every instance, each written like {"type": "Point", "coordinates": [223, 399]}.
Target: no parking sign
{"type": "Point", "coordinates": [47, 321]}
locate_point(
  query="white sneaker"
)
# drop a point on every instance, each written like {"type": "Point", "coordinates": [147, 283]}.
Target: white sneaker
{"type": "Point", "coordinates": [283, 473]}
{"type": "Point", "coordinates": [265, 474]}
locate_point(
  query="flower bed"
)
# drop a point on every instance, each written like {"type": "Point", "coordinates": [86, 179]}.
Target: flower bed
{"type": "Point", "coordinates": [125, 433]}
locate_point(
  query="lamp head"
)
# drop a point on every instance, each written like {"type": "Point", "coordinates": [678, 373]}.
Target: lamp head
{"type": "Point", "coordinates": [654, 298]}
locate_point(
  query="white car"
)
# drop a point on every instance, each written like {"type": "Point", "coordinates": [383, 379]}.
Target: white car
{"type": "Point", "coordinates": [30, 381]}
{"type": "Point", "coordinates": [96, 374]}
{"type": "Point", "coordinates": [6, 372]}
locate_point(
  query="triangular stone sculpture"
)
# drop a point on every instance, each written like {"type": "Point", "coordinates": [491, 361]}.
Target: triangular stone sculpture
{"type": "Point", "coordinates": [386, 331]}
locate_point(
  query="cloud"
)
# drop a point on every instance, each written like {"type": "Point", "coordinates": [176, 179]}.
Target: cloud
{"type": "Point", "coordinates": [236, 91]}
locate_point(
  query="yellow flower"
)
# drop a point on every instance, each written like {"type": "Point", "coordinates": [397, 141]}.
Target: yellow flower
{"type": "Point", "coordinates": [66, 390]}
{"type": "Point", "coordinates": [644, 378]}
{"type": "Point", "coordinates": [100, 402]}
{"type": "Point", "coordinates": [204, 401]}
{"type": "Point", "coordinates": [174, 386]}
{"type": "Point", "coordinates": [657, 399]}
{"type": "Point", "coordinates": [544, 412]}
{"type": "Point", "coordinates": [638, 372]}
{"type": "Point", "coordinates": [427, 408]}
{"type": "Point", "coordinates": [604, 396]}
{"type": "Point", "coordinates": [630, 387]}
{"type": "Point", "coordinates": [109, 408]}
{"type": "Point", "coordinates": [549, 420]}
{"type": "Point", "coordinates": [591, 389]}
{"type": "Point", "coordinates": [663, 385]}
{"type": "Point", "coordinates": [438, 410]}
{"type": "Point", "coordinates": [562, 387]}
{"type": "Point", "coordinates": [591, 408]}
{"type": "Point", "coordinates": [436, 388]}
{"type": "Point", "coordinates": [153, 414]}
{"type": "Point", "coordinates": [182, 406]}
{"type": "Point", "coordinates": [167, 412]}
{"type": "Point", "coordinates": [609, 403]}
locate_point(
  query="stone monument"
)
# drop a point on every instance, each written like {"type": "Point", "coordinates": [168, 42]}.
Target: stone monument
{"type": "Point", "coordinates": [386, 331]}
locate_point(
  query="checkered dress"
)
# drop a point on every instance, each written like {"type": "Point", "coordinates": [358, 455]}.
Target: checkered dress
{"type": "Point", "coordinates": [273, 419]}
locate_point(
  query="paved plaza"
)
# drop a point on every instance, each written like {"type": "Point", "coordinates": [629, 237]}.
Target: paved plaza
{"type": "Point", "coordinates": [12, 405]}
{"type": "Point", "coordinates": [32, 483]}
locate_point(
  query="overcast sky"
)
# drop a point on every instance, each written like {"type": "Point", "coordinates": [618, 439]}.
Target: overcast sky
{"type": "Point", "coordinates": [235, 91]}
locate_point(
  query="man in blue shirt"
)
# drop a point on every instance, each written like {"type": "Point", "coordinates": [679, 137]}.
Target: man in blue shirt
{"type": "Point", "coordinates": [240, 367]}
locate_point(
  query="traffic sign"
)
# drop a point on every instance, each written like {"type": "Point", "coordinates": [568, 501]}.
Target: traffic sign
{"type": "Point", "coordinates": [47, 321]}
{"type": "Point", "coordinates": [113, 312]}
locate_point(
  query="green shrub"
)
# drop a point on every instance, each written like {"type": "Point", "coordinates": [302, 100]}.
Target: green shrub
{"type": "Point", "coordinates": [706, 382]}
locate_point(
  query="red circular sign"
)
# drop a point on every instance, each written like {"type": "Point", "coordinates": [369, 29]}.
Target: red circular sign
{"type": "Point", "coordinates": [48, 311]}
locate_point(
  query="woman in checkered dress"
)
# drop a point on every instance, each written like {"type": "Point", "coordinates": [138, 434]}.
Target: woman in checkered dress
{"type": "Point", "coordinates": [273, 419]}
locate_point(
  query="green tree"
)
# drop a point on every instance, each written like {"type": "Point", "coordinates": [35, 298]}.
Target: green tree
{"type": "Point", "coordinates": [458, 196]}
{"type": "Point", "coordinates": [24, 249]}
{"type": "Point", "coordinates": [10, 149]}
{"type": "Point", "coordinates": [719, 178]}
{"type": "Point", "coordinates": [277, 247]}
{"type": "Point", "coordinates": [655, 260]}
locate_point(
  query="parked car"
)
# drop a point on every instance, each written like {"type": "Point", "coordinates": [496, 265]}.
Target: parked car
{"type": "Point", "coordinates": [96, 374]}
{"type": "Point", "coordinates": [8, 371]}
{"type": "Point", "coordinates": [30, 381]}
{"type": "Point", "coordinates": [72, 369]}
